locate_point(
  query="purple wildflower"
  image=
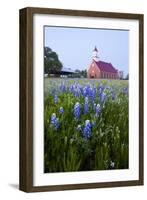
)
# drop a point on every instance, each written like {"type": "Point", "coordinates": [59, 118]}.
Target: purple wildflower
{"type": "Point", "coordinates": [112, 164]}
{"type": "Point", "coordinates": [98, 110]}
{"type": "Point", "coordinates": [100, 89]}
{"type": "Point", "coordinates": [101, 93]}
{"type": "Point", "coordinates": [54, 121]}
{"type": "Point", "coordinates": [55, 98]}
{"type": "Point", "coordinates": [79, 127]}
{"type": "Point", "coordinates": [102, 97]}
{"type": "Point", "coordinates": [87, 129]}
{"type": "Point", "coordinates": [125, 90]}
{"type": "Point", "coordinates": [62, 87]}
{"type": "Point", "coordinates": [84, 91]}
{"type": "Point", "coordinates": [86, 105]}
{"type": "Point", "coordinates": [61, 110]}
{"type": "Point", "coordinates": [90, 92]}
{"type": "Point", "coordinates": [77, 110]}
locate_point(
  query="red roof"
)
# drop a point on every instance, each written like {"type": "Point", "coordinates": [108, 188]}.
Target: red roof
{"type": "Point", "coordinates": [106, 67]}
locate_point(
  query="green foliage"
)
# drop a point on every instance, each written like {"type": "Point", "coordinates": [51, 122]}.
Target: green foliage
{"type": "Point", "coordinates": [80, 73]}
{"type": "Point", "coordinates": [65, 149]}
{"type": "Point", "coordinates": [127, 77]}
{"type": "Point", "coordinates": [52, 64]}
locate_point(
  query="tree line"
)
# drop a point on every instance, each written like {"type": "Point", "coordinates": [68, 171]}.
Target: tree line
{"type": "Point", "coordinates": [52, 64]}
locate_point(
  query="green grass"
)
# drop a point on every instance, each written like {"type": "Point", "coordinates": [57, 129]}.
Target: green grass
{"type": "Point", "coordinates": [66, 149]}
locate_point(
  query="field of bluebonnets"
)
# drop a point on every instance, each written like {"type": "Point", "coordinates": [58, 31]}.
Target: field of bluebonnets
{"type": "Point", "coordinates": [85, 125]}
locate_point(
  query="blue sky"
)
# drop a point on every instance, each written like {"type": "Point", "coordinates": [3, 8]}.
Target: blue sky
{"type": "Point", "coordinates": [74, 46]}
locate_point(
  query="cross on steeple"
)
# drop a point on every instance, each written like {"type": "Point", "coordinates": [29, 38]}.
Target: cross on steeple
{"type": "Point", "coordinates": [95, 54]}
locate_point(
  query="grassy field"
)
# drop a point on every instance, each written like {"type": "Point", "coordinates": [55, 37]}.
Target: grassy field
{"type": "Point", "coordinates": [85, 125]}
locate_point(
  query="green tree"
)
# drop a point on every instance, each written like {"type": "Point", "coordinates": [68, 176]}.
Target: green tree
{"type": "Point", "coordinates": [77, 73]}
{"type": "Point", "coordinates": [80, 73]}
{"type": "Point", "coordinates": [127, 77]}
{"type": "Point", "coordinates": [52, 64]}
{"type": "Point", "coordinates": [84, 73]}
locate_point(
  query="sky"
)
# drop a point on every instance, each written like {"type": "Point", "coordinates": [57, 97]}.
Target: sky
{"type": "Point", "coordinates": [74, 46]}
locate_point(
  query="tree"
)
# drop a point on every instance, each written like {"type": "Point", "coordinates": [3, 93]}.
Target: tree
{"type": "Point", "coordinates": [52, 64]}
{"type": "Point", "coordinates": [77, 73]}
{"type": "Point", "coordinates": [127, 77]}
{"type": "Point", "coordinates": [80, 73]}
{"type": "Point", "coordinates": [84, 73]}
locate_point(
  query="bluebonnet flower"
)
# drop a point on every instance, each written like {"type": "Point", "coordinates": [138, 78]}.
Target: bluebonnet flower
{"type": "Point", "coordinates": [92, 93]}
{"type": "Point", "coordinates": [86, 100]}
{"type": "Point", "coordinates": [85, 91]}
{"type": "Point", "coordinates": [125, 91]}
{"type": "Point", "coordinates": [62, 87]}
{"type": "Point", "coordinates": [100, 89]}
{"type": "Point", "coordinates": [77, 110]}
{"type": "Point", "coordinates": [77, 92]}
{"type": "Point", "coordinates": [75, 89]}
{"type": "Point", "coordinates": [112, 164]}
{"type": "Point", "coordinates": [53, 118]}
{"type": "Point", "coordinates": [54, 121]}
{"type": "Point", "coordinates": [71, 88]}
{"type": "Point", "coordinates": [87, 129]}
{"type": "Point", "coordinates": [79, 127]}
{"type": "Point", "coordinates": [101, 93]}
{"type": "Point", "coordinates": [102, 97]}
{"type": "Point", "coordinates": [113, 95]}
{"type": "Point", "coordinates": [55, 98]}
{"type": "Point", "coordinates": [98, 110]}
{"type": "Point", "coordinates": [86, 105]}
{"type": "Point", "coordinates": [61, 110]}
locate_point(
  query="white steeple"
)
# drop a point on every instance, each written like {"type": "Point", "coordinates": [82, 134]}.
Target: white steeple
{"type": "Point", "coordinates": [95, 54]}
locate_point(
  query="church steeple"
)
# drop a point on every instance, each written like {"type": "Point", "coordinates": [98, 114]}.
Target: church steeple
{"type": "Point", "coordinates": [95, 54]}
{"type": "Point", "coordinates": [95, 49]}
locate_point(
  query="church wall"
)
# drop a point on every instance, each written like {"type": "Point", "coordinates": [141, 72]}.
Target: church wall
{"type": "Point", "coordinates": [93, 71]}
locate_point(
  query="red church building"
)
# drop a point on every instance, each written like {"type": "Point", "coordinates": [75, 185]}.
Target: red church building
{"type": "Point", "coordinates": [101, 69]}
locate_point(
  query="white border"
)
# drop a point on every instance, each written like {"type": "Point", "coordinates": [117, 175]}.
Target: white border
{"type": "Point", "coordinates": [42, 179]}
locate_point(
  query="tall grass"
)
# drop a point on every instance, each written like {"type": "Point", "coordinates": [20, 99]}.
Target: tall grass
{"type": "Point", "coordinates": [90, 135]}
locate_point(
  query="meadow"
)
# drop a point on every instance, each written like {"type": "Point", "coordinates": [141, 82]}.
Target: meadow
{"type": "Point", "coordinates": [85, 125]}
